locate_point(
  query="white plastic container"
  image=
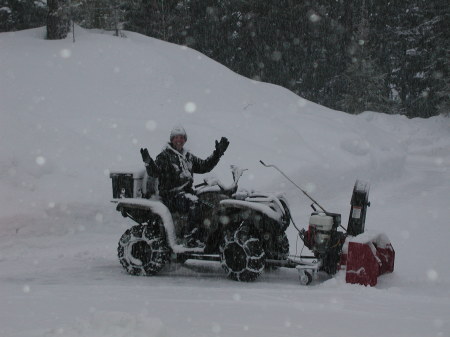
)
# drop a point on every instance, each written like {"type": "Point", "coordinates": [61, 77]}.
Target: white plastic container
{"type": "Point", "coordinates": [127, 183]}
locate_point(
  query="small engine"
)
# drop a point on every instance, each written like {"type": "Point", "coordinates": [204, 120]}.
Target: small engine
{"type": "Point", "coordinates": [321, 231]}
{"type": "Point", "coordinates": [324, 240]}
{"type": "Point", "coordinates": [320, 228]}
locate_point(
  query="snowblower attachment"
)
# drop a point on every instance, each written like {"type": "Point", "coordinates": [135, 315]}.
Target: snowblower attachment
{"type": "Point", "coordinates": [364, 256]}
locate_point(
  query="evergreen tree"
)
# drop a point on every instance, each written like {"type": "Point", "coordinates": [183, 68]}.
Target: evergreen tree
{"type": "Point", "coordinates": [57, 19]}
{"type": "Point", "coordinates": [364, 85]}
{"type": "Point", "coordinates": [363, 82]}
{"type": "Point", "coordinates": [443, 106]}
{"type": "Point", "coordinates": [102, 14]}
{"type": "Point", "coordinates": [22, 14]}
{"type": "Point", "coordinates": [417, 44]}
{"type": "Point", "coordinates": [437, 70]}
{"type": "Point", "coordinates": [156, 18]}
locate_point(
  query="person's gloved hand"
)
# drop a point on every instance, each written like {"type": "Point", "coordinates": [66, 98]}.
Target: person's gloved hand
{"type": "Point", "coordinates": [150, 166]}
{"type": "Point", "coordinates": [146, 156]}
{"type": "Point", "coordinates": [221, 146]}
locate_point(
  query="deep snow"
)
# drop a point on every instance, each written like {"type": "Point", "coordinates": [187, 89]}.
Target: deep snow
{"type": "Point", "coordinates": [72, 112]}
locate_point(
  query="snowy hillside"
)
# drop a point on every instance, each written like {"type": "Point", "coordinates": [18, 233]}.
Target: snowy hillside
{"type": "Point", "coordinates": [72, 112]}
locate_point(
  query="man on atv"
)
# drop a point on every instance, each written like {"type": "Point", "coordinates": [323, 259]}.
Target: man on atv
{"type": "Point", "coordinates": [174, 167]}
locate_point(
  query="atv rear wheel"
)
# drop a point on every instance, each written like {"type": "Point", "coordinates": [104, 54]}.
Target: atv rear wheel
{"type": "Point", "coordinates": [241, 255]}
{"type": "Point", "coordinates": [142, 251]}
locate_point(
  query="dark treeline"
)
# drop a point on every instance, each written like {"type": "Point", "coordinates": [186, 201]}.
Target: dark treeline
{"type": "Point", "coordinates": [387, 56]}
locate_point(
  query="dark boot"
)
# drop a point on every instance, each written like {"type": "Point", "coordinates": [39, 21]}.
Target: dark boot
{"type": "Point", "coordinates": [192, 239]}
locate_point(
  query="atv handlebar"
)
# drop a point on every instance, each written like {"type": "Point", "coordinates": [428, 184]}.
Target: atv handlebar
{"type": "Point", "coordinates": [212, 181]}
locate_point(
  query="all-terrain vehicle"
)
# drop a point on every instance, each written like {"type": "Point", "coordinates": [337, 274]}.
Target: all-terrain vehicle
{"type": "Point", "coordinates": [244, 231]}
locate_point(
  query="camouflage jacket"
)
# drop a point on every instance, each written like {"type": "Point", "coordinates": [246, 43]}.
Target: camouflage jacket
{"type": "Point", "coordinates": [175, 170]}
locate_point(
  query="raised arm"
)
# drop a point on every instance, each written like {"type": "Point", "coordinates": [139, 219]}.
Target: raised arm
{"type": "Point", "coordinates": [150, 166]}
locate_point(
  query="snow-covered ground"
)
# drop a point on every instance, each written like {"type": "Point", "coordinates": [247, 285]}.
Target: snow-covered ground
{"type": "Point", "coordinates": [72, 112]}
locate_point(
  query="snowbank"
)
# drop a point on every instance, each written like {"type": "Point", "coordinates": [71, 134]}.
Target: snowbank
{"type": "Point", "coordinates": [73, 112]}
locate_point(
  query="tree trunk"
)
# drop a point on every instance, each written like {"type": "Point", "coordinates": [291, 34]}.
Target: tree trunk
{"type": "Point", "coordinates": [57, 21]}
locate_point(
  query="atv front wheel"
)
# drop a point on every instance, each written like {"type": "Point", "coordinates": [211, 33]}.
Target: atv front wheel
{"type": "Point", "coordinates": [241, 255]}
{"type": "Point", "coordinates": [142, 251]}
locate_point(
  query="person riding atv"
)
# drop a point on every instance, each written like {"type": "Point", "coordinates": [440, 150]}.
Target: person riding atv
{"type": "Point", "coordinates": [174, 167]}
{"type": "Point", "coordinates": [243, 230]}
